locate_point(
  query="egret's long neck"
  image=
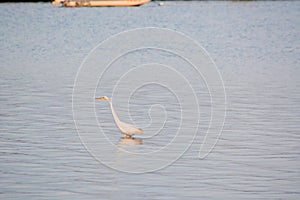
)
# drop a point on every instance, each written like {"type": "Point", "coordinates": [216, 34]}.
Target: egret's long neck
{"type": "Point", "coordinates": [114, 112]}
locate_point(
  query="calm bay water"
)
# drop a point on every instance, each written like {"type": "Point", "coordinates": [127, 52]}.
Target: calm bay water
{"type": "Point", "coordinates": [256, 46]}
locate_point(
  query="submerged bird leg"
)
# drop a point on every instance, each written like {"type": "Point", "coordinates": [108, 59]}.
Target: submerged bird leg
{"type": "Point", "coordinates": [128, 136]}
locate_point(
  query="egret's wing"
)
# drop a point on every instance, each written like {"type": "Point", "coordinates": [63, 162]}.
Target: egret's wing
{"type": "Point", "coordinates": [130, 129]}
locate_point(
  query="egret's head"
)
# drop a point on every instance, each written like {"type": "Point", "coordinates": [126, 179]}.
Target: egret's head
{"type": "Point", "coordinates": [102, 98]}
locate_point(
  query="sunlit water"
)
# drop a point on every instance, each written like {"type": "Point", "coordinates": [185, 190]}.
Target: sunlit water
{"type": "Point", "coordinates": [256, 46]}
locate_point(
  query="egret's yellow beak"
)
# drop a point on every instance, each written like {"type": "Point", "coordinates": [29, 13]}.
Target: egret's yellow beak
{"type": "Point", "coordinates": [100, 98]}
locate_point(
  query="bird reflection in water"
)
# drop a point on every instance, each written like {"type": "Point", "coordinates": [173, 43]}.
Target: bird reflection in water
{"type": "Point", "coordinates": [129, 142]}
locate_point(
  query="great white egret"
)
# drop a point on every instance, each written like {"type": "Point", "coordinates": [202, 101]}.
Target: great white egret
{"type": "Point", "coordinates": [127, 129]}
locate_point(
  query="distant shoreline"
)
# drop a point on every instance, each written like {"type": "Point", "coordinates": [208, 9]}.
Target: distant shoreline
{"type": "Point", "coordinates": [33, 1]}
{"type": "Point", "coordinates": [25, 1]}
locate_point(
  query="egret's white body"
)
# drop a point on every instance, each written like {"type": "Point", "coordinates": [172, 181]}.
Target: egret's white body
{"type": "Point", "coordinates": [127, 129]}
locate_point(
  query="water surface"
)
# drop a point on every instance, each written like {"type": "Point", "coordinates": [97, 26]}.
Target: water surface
{"type": "Point", "coordinates": [256, 48]}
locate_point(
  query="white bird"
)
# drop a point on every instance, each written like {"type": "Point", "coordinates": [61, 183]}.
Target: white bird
{"type": "Point", "coordinates": [127, 129]}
